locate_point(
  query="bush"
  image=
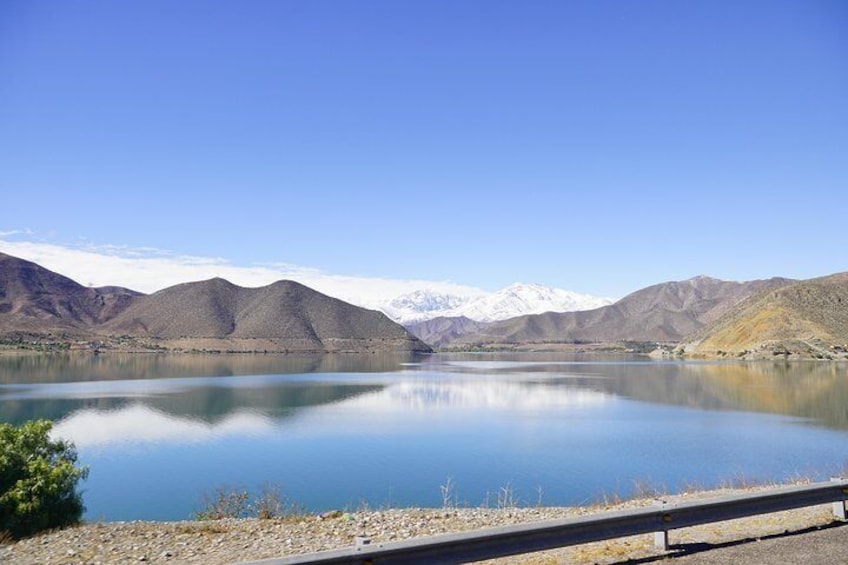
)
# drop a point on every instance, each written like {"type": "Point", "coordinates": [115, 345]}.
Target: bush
{"type": "Point", "coordinates": [270, 503]}
{"type": "Point", "coordinates": [225, 503]}
{"type": "Point", "coordinates": [38, 480]}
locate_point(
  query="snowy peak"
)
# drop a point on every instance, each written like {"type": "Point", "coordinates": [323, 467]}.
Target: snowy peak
{"type": "Point", "coordinates": [515, 300]}
{"type": "Point", "coordinates": [425, 304]}
{"type": "Point", "coordinates": [520, 299]}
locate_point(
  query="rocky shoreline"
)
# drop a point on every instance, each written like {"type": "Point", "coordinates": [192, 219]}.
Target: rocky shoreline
{"type": "Point", "coordinates": [233, 541]}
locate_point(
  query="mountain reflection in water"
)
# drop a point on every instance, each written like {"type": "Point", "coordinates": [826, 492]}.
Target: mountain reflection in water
{"type": "Point", "coordinates": [212, 387]}
{"type": "Point", "coordinates": [149, 422]}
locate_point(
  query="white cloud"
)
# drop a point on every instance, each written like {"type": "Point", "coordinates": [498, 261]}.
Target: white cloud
{"type": "Point", "coordinates": [148, 270]}
{"type": "Point", "coordinates": [8, 233]}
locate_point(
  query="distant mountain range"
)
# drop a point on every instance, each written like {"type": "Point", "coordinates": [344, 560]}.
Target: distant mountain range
{"type": "Point", "coordinates": [207, 315]}
{"type": "Point", "coordinates": [515, 300]}
{"type": "Point", "coordinates": [443, 331]}
{"type": "Point", "coordinates": [702, 316]}
{"type": "Point", "coordinates": [663, 312]}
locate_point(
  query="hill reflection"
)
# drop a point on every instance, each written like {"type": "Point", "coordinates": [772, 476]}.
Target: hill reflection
{"type": "Point", "coordinates": [75, 367]}
{"type": "Point", "coordinates": [212, 388]}
{"type": "Point", "coordinates": [206, 399]}
{"type": "Point", "coordinates": [228, 413]}
{"type": "Point", "coordinates": [811, 390]}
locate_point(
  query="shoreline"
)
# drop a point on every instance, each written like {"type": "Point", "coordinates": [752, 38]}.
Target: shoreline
{"type": "Point", "coordinates": [249, 539]}
{"type": "Point", "coordinates": [659, 355]}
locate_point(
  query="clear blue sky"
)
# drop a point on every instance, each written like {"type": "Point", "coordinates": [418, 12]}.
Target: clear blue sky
{"type": "Point", "coordinates": [596, 146]}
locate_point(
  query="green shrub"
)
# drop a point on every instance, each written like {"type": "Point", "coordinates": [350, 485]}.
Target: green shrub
{"type": "Point", "coordinates": [38, 480]}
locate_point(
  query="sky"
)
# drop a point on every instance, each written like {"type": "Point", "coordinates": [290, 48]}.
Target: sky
{"type": "Point", "coordinates": [596, 146]}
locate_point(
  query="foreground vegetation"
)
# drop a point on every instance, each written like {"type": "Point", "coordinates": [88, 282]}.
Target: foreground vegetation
{"type": "Point", "coordinates": [38, 480]}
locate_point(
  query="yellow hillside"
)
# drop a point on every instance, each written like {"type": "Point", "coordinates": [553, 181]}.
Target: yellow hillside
{"type": "Point", "coordinates": [806, 319]}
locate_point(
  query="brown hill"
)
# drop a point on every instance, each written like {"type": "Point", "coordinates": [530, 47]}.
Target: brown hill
{"type": "Point", "coordinates": [807, 319]}
{"type": "Point", "coordinates": [439, 331]}
{"type": "Point", "coordinates": [283, 316]}
{"type": "Point", "coordinates": [214, 314]}
{"type": "Point", "coordinates": [663, 312]}
{"type": "Point", "coordinates": [35, 299]}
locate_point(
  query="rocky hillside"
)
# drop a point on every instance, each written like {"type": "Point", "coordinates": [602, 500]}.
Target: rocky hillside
{"type": "Point", "coordinates": [663, 312]}
{"type": "Point", "coordinates": [40, 306]}
{"type": "Point", "coordinates": [806, 319]}
{"type": "Point", "coordinates": [34, 299]}
{"type": "Point", "coordinates": [443, 330]}
{"type": "Point", "coordinates": [283, 316]}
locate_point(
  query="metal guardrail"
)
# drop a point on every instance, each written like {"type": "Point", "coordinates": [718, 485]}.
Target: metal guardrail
{"type": "Point", "coordinates": [526, 538]}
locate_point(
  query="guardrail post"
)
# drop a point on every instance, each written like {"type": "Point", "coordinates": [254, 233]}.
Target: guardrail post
{"type": "Point", "coordinates": [839, 506]}
{"type": "Point", "coordinates": [661, 537]}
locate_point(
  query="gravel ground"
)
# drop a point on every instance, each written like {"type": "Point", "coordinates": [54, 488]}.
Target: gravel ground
{"type": "Point", "coordinates": [232, 541]}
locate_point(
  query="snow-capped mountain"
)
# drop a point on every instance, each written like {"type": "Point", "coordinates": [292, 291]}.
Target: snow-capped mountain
{"type": "Point", "coordinates": [520, 299]}
{"type": "Point", "coordinates": [515, 300]}
{"type": "Point", "coordinates": [426, 304]}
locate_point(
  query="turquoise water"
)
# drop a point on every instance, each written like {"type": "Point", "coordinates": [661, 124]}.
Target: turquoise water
{"type": "Point", "coordinates": [159, 432]}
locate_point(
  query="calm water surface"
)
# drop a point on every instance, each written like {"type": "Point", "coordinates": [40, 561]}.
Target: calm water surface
{"type": "Point", "coordinates": [159, 431]}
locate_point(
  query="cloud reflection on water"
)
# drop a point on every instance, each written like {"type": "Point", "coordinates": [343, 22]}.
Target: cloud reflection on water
{"type": "Point", "coordinates": [139, 423]}
{"type": "Point", "coordinates": [426, 395]}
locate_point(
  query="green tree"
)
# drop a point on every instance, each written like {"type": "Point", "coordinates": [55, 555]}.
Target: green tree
{"type": "Point", "coordinates": [38, 480]}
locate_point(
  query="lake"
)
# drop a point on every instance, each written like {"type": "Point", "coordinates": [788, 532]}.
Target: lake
{"type": "Point", "coordinates": [160, 431]}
